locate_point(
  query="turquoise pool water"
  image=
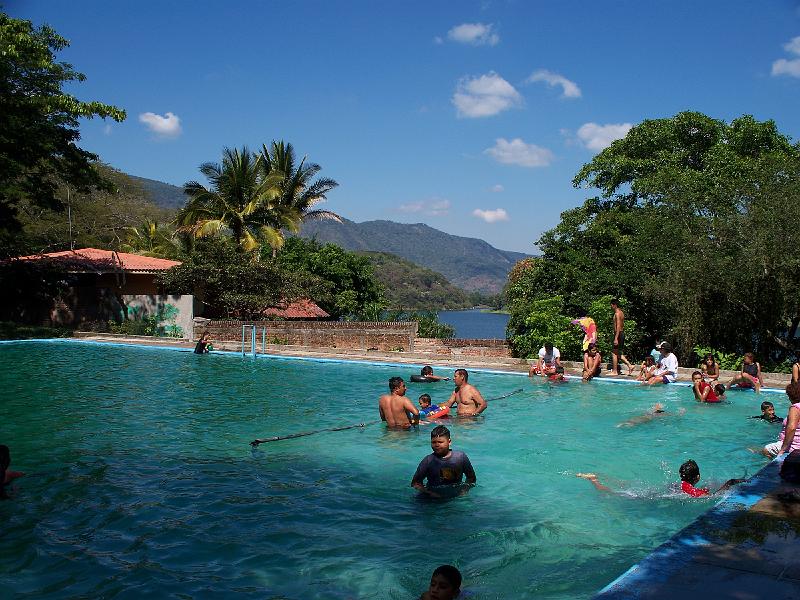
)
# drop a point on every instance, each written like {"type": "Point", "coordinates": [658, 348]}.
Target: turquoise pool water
{"type": "Point", "coordinates": [143, 483]}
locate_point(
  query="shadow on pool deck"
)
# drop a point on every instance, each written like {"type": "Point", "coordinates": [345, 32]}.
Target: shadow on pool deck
{"type": "Point", "coordinates": [745, 548]}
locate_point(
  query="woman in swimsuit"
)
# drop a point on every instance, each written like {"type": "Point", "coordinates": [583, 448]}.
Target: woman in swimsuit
{"type": "Point", "coordinates": [750, 375]}
{"type": "Point", "coordinates": [710, 368]}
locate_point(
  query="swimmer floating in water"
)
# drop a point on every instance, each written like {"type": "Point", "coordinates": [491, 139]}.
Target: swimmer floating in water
{"type": "Point", "coordinates": [689, 473]}
{"type": "Point", "coordinates": [427, 373]}
{"type": "Point", "coordinates": [445, 584]}
{"type": "Point", "coordinates": [653, 413]}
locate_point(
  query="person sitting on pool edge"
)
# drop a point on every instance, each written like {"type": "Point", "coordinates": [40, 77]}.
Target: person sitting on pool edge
{"type": "Point", "coordinates": [395, 408]}
{"type": "Point", "coordinates": [427, 373]}
{"type": "Point", "coordinates": [549, 361]}
{"type": "Point", "coordinates": [591, 362]}
{"type": "Point", "coordinates": [443, 467]}
{"type": "Point", "coordinates": [445, 584]}
{"type": "Point", "coordinates": [750, 375]}
{"type": "Point", "coordinates": [466, 396]}
{"type": "Point", "coordinates": [667, 368]}
{"type": "Point", "coordinates": [689, 473]}
{"type": "Point", "coordinates": [768, 413]}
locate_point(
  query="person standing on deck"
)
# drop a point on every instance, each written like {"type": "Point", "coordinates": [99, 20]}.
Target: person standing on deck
{"type": "Point", "coordinates": [395, 407]}
{"type": "Point", "coordinates": [466, 396]}
{"type": "Point", "coordinates": [619, 340]}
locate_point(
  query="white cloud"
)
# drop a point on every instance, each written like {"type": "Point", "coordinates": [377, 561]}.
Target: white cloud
{"type": "Point", "coordinates": [476, 34]}
{"type": "Point", "coordinates": [497, 188]}
{"type": "Point", "coordinates": [793, 45]}
{"type": "Point", "coordinates": [569, 89]}
{"type": "Point", "coordinates": [491, 216]}
{"type": "Point", "coordinates": [438, 41]}
{"type": "Point", "coordinates": [484, 96]}
{"type": "Point", "coordinates": [783, 66]}
{"type": "Point", "coordinates": [107, 129]}
{"type": "Point", "coordinates": [517, 152]}
{"type": "Point", "coordinates": [168, 126]}
{"type": "Point", "coordinates": [597, 137]}
{"type": "Point", "coordinates": [434, 207]}
{"type": "Point", "coordinates": [786, 67]}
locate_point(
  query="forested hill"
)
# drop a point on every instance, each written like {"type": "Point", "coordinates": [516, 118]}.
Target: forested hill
{"type": "Point", "coordinates": [470, 263]}
{"type": "Point", "coordinates": [409, 286]}
{"type": "Point", "coordinates": [163, 195]}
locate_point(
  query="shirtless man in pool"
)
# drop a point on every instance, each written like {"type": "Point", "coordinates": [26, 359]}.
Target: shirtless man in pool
{"type": "Point", "coordinates": [395, 407]}
{"type": "Point", "coordinates": [466, 396]}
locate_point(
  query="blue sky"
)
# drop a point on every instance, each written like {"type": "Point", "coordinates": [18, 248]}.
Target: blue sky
{"type": "Point", "coordinates": [472, 117]}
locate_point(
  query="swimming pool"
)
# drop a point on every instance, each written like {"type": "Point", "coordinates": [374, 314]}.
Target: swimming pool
{"type": "Point", "coordinates": [143, 482]}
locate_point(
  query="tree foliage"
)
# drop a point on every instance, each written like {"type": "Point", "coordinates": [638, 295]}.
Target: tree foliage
{"type": "Point", "coordinates": [229, 283]}
{"type": "Point", "coordinates": [344, 282]}
{"type": "Point", "coordinates": [691, 228]}
{"type": "Point", "coordinates": [39, 122]}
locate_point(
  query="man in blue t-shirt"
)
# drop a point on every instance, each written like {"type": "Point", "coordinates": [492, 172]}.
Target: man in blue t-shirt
{"type": "Point", "coordinates": [443, 467]}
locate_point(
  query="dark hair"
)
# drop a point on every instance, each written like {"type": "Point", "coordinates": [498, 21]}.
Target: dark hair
{"type": "Point", "coordinates": [711, 356]}
{"type": "Point", "coordinates": [720, 389]}
{"type": "Point", "coordinates": [697, 373]}
{"type": "Point", "coordinates": [464, 373]}
{"type": "Point", "coordinates": [666, 347]}
{"type": "Point", "coordinates": [548, 346]}
{"type": "Point", "coordinates": [649, 360]}
{"type": "Point", "coordinates": [614, 302]}
{"type": "Point", "coordinates": [591, 346]}
{"type": "Point", "coordinates": [450, 573]}
{"type": "Point", "coordinates": [394, 383]}
{"type": "Point", "coordinates": [426, 370]}
{"type": "Point", "coordinates": [560, 370]}
{"type": "Point", "coordinates": [793, 391]}
{"type": "Point", "coordinates": [750, 355]}
{"type": "Point", "coordinates": [689, 471]}
{"type": "Point", "coordinates": [766, 404]}
{"type": "Point", "coordinates": [440, 431]}
{"type": "Point", "coordinates": [426, 397]}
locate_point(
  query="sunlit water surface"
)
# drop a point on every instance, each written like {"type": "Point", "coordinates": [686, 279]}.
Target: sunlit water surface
{"type": "Point", "coordinates": [141, 480]}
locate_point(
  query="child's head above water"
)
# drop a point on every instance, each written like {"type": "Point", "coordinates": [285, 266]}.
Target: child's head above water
{"type": "Point", "coordinates": [720, 390]}
{"type": "Point", "coordinates": [440, 440]}
{"type": "Point", "coordinates": [424, 400]}
{"type": "Point", "coordinates": [426, 370]}
{"type": "Point", "coordinates": [445, 583]}
{"type": "Point", "coordinates": [767, 409]}
{"type": "Point", "coordinates": [697, 376]}
{"type": "Point", "coordinates": [559, 370]}
{"type": "Point", "coordinates": [689, 472]}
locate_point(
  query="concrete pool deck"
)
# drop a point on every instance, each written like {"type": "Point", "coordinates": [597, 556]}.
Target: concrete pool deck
{"type": "Point", "coordinates": [746, 547]}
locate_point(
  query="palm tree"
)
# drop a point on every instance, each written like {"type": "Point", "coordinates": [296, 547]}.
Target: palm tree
{"type": "Point", "coordinates": [298, 192]}
{"type": "Point", "coordinates": [241, 201]}
{"type": "Point", "coordinates": [152, 239]}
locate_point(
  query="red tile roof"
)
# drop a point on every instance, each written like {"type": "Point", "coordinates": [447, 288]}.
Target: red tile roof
{"type": "Point", "coordinates": [102, 261]}
{"type": "Point", "coordinates": [300, 309]}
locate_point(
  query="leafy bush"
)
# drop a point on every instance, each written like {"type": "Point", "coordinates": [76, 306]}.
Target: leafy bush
{"type": "Point", "coordinates": [429, 326]}
{"type": "Point", "coordinates": [730, 361]}
{"type": "Point", "coordinates": [16, 331]}
{"type": "Point", "coordinates": [159, 324]}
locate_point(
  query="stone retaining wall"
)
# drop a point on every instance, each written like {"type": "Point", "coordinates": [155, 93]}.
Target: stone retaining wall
{"type": "Point", "coordinates": [454, 348]}
{"type": "Point", "coordinates": [314, 334]}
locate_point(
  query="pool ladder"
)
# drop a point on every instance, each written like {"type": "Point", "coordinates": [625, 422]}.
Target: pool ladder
{"type": "Point", "coordinates": [252, 329]}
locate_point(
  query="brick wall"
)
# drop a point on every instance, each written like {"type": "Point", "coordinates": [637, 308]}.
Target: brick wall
{"type": "Point", "coordinates": [464, 347]}
{"type": "Point", "coordinates": [315, 334]}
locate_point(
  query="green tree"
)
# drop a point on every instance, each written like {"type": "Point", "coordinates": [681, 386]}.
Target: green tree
{"type": "Point", "coordinates": [344, 281]}
{"type": "Point", "coordinates": [39, 124]}
{"type": "Point", "coordinates": [229, 283]}
{"type": "Point", "coordinates": [299, 191]}
{"type": "Point", "coordinates": [241, 202]}
{"type": "Point", "coordinates": [690, 227]}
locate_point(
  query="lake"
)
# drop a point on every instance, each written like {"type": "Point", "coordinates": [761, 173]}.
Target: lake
{"type": "Point", "coordinates": [475, 324]}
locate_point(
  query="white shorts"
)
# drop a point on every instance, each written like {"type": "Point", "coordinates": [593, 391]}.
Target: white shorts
{"type": "Point", "coordinates": [773, 448]}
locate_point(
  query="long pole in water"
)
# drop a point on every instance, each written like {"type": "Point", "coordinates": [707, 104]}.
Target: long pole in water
{"type": "Point", "coordinates": [291, 436]}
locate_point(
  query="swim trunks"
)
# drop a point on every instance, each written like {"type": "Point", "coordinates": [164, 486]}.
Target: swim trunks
{"type": "Point", "coordinates": [621, 343]}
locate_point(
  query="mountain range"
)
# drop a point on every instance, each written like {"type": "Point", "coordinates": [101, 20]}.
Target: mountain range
{"type": "Point", "coordinates": [469, 263]}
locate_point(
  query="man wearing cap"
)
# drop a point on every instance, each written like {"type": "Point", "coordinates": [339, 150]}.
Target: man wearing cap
{"type": "Point", "coordinates": [667, 368]}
